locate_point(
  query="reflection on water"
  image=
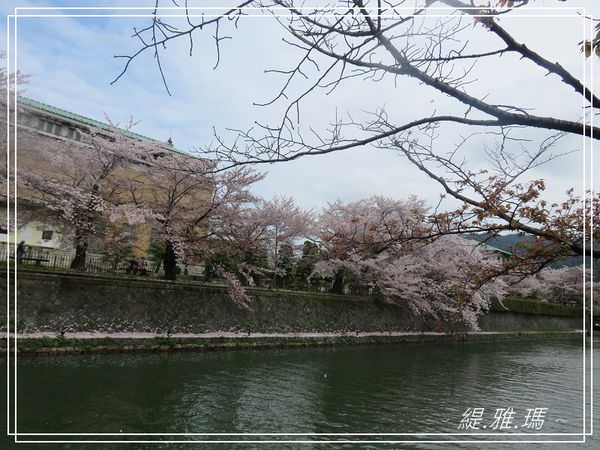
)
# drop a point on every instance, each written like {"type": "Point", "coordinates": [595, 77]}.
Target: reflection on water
{"type": "Point", "coordinates": [391, 389]}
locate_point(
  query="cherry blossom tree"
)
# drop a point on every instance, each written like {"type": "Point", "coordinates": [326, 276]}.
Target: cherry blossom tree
{"type": "Point", "coordinates": [567, 284]}
{"type": "Point", "coordinates": [237, 245]}
{"type": "Point", "coordinates": [285, 224]}
{"type": "Point", "coordinates": [311, 255]}
{"type": "Point", "coordinates": [385, 246]}
{"type": "Point", "coordinates": [9, 80]}
{"type": "Point", "coordinates": [495, 201]}
{"type": "Point", "coordinates": [369, 227]}
{"type": "Point", "coordinates": [557, 285]}
{"type": "Point", "coordinates": [254, 238]}
{"type": "Point", "coordinates": [10, 83]}
{"type": "Point", "coordinates": [239, 232]}
{"type": "Point", "coordinates": [529, 286]}
{"type": "Point", "coordinates": [439, 282]}
{"type": "Point", "coordinates": [375, 41]}
{"type": "Point", "coordinates": [189, 202]}
{"type": "Point", "coordinates": [84, 184]}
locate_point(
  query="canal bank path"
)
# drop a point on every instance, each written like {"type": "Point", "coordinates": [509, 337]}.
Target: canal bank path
{"type": "Point", "coordinates": [245, 335]}
{"type": "Point", "coordinates": [96, 342]}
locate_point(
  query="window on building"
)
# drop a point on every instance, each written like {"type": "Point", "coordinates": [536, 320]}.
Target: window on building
{"type": "Point", "coordinates": [128, 231]}
{"type": "Point", "coordinates": [3, 230]}
{"type": "Point", "coordinates": [155, 234]}
{"type": "Point", "coordinates": [47, 235]}
{"type": "Point", "coordinates": [48, 127]}
{"type": "Point", "coordinates": [95, 243]}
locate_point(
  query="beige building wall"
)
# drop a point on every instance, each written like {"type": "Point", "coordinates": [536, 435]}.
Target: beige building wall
{"type": "Point", "coordinates": [38, 126]}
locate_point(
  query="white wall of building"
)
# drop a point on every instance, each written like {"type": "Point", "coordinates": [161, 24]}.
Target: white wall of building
{"type": "Point", "coordinates": [34, 233]}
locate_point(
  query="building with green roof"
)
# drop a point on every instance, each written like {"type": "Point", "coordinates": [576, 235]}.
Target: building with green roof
{"type": "Point", "coordinates": [66, 124]}
{"type": "Point", "coordinates": [41, 124]}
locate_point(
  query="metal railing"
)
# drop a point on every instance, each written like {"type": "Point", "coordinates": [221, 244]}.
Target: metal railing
{"type": "Point", "coordinates": [53, 258]}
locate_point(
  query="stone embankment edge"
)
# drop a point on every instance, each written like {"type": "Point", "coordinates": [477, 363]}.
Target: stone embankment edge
{"type": "Point", "coordinates": [35, 346]}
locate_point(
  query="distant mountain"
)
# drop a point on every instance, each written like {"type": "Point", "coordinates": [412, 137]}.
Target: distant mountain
{"type": "Point", "coordinates": [508, 242]}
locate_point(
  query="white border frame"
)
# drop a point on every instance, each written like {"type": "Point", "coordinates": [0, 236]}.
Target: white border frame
{"type": "Point", "coordinates": [14, 18]}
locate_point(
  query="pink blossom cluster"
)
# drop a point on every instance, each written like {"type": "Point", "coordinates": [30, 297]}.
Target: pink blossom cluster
{"type": "Point", "coordinates": [385, 244]}
{"type": "Point", "coordinates": [557, 285]}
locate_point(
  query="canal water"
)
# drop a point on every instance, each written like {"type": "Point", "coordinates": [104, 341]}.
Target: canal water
{"type": "Point", "coordinates": [412, 388]}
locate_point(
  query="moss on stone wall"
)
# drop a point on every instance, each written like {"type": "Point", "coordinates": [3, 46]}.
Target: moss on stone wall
{"type": "Point", "coordinates": [532, 306]}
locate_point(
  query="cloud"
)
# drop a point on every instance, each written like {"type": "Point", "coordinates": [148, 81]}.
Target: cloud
{"type": "Point", "coordinates": [72, 63]}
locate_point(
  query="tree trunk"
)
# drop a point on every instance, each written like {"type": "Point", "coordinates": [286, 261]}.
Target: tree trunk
{"type": "Point", "coordinates": [78, 262]}
{"type": "Point", "coordinates": [338, 283]}
{"type": "Point", "coordinates": [170, 262]}
{"type": "Point", "coordinates": [157, 268]}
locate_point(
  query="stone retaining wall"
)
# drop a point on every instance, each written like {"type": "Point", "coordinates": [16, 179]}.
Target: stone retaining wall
{"type": "Point", "coordinates": [80, 302]}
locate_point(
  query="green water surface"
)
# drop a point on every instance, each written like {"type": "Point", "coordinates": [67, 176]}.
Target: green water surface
{"type": "Point", "coordinates": [415, 388]}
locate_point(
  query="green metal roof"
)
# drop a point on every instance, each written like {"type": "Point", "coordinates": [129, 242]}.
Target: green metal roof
{"type": "Point", "coordinates": [87, 120]}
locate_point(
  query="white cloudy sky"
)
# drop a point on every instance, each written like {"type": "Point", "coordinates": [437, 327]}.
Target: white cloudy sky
{"type": "Point", "coordinates": [71, 60]}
